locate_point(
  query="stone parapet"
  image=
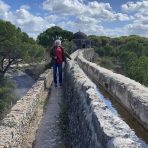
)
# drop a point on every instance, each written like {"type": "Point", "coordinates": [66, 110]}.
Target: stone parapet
{"type": "Point", "coordinates": [131, 94]}
{"type": "Point", "coordinates": [13, 126]}
{"type": "Point", "coordinates": [91, 123]}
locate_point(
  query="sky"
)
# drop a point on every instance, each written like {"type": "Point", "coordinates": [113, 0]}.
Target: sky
{"type": "Point", "coordinates": [99, 17]}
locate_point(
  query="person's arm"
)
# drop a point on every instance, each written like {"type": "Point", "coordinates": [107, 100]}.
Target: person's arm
{"type": "Point", "coordinates": [52, 53]}
{"type": "Point", "coordinates": [67, 55]}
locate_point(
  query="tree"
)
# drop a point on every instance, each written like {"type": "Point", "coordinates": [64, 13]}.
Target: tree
{"type": "Point", "coordinates": [16, 46]}
{"type": "Point", "coordinates": [117, 42]}
{"type": "Point", "coordinates": [98, 41]}
{"type": "Point", "coordinates": [127, 57]}
{"type": "Point", "coordinates": [106, 51]}
{"type": "Point", "coordinates": [69, 46]}
{"type": "Point", "coordinates": [138, 70]}
{"type": "Point", "coordinates": [100, 51]}
{"type": "Point", "coordinates": [47, 38]}
{"type": "Point", "coordinates": [95, 40]}
{"type": "Point", "coordinates": [105, 40]}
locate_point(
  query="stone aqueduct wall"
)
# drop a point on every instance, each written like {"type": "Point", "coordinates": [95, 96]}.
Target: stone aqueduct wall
{"type": "Point", "coordinates": [91, 123]}
{"type": "Point", "coordinates": [13, 126]}
{"type": "Point", "coordinates": [131, 94]}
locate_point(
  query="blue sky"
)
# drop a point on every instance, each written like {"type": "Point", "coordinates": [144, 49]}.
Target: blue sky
{"type": "Point", "coordinates": [100, 17]}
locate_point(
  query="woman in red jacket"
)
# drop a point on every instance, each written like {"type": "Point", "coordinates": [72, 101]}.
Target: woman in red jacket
{"type": "Point", "coordinates": [58, 55]}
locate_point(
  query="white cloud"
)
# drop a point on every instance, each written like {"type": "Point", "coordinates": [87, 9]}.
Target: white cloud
{"type": "Point", "coordinates": [54, 18]}
{"type": "Point", "coordinates": [140, 22]}
{"type": "Point", "coordinates": [138, 6]}
{"type": "Point", "coordinates": [86, 28]}
{"type": "Point", "coordinates": [122, 17]}
{"type": "Point", "coordinates": [65, 7]}
{"type": "Point", "coordinates": [5, 12]}
{"type": "Point", "coordinates": [139, 29]}
{"type": "Point", "coordinates": [31, 23]}
{"type": "Point", "coordinates": [95, 29]}
{"type": "Point", "coordinates": [86, 20]}
{"type": "Point", "coordinates": [25, 7]}
{"type": "Point", "coordinates": [85, 16]}
{"type": "Point", "coordinates": [102, 11]}
{"type": "Point", "coordinates": [139, 18]}
{"type": "Point", "coordinates": [22, 18]}
{"type": "Point", "coordinates": [138, 26]}
{"type": "Point", "coordinates": [3, 7]}
{"type": "Point", "coordinates": [73, 15]}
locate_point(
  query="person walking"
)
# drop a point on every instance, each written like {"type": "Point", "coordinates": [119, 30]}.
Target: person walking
{"type": "Point", "coordinates": [58, 56]}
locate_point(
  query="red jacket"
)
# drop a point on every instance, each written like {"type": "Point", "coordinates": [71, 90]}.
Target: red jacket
{"type": "Point", "coordinates": [53, 54]}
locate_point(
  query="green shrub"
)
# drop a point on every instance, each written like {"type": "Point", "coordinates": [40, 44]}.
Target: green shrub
{"type": "Point", "coordinates": [7, 96]}
{"type": "Point", "coordinates": [138, 70]}
{"type": "Point", "coordinates": [107, 63]}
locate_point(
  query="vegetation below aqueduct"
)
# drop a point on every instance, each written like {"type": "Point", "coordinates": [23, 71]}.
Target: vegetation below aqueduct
{"type": "Point", "coordinates": [127, 55]}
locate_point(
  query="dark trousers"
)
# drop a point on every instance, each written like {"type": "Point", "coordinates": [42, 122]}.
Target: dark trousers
{"type": "Point", "coordinates": [55, 67]}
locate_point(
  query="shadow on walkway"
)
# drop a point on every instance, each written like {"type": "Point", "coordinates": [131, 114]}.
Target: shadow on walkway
{"type": "Point", "coordinates": [49, 133]}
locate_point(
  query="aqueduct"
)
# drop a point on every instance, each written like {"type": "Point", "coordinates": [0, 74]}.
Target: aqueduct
{"type": "Point", "coordinates": [91, 122]}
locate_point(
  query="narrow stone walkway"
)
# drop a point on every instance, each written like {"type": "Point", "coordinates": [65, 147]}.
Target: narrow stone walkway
{"type": "Point", "coordinates": [48, 135]}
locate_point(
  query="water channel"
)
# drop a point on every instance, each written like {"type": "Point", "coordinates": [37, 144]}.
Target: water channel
{"type": "Point", "coordinates": [118, 110]}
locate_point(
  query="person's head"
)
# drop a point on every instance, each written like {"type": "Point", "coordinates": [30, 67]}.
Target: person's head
{"type": "Point", "coordinates": [57, 43]}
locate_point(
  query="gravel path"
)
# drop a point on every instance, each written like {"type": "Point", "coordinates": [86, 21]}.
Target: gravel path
{"type": "Point", "coordinates": [48, 135]}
